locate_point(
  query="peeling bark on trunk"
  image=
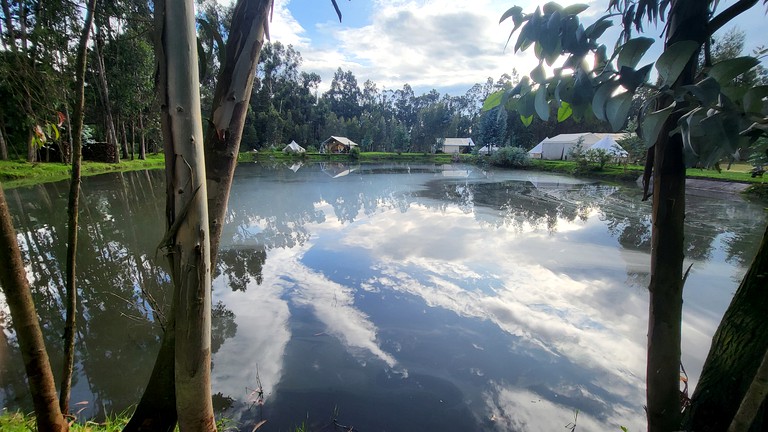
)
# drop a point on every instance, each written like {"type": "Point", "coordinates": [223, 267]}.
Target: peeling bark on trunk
{"type": "Point", "coordinates": [187, 239]}
{"type": "Point", "coordinates": [230, 106]}
{"type": "Point", "coordinates": [752, 401]}
{"type": "Point", "coordinates": [737, 349]}
{"type": "Point", "coordinates": [13, 278]}
{"type": "Point", "coordinates": [667, 246]}
{"type": "Point", "coordinates": [73, 211]}
{"type": "Point", "coordinates": [3, 146]}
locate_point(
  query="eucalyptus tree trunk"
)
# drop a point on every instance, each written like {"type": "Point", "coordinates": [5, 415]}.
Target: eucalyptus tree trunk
{"type": "Point", "coordinates": [738, 347]}
{"type": "Point", "coordinates": [752, 401]}
{"type": "Point", "coordinates": [687, 21]}
{"type": "Point", "coordinates": [13, 278]}
{"type": "Point", "coordinates": [142, 141]}
{"type": "Point", "coordinates": [230, 105]}
{"type": "Point", "coordinates": [187, 239]}
{"type": "Point", "coordinates": [103, 87]}
{"type": "Point", "coordinates": [73, 209]}
{"type": "Point", "coordinates": [3, 146]}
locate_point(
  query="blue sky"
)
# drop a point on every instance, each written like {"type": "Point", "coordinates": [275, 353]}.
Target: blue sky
{"type": "Point", "coordinates": [444, 44]}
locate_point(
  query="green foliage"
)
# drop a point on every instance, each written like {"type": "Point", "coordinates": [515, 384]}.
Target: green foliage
{"type": "Point", "coordinates": [510, 157]}
{"type": "Point", "coordinates": [354, 153]}
{"type": "Point", "coordinates": [721, 112]}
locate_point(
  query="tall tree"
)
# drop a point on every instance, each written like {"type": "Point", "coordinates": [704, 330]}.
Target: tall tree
{"type": "Point", "coordinates": [709, 116]}
{"type": "Point", "coordinates": [19, 298]}
{"type": "Point", "coordinates": [73, 209]}
{"type": "Point", "coordinates": [187, 239]}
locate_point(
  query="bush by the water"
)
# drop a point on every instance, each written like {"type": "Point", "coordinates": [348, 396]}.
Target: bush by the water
{"type": "Point", "coordinates": [511, 157]}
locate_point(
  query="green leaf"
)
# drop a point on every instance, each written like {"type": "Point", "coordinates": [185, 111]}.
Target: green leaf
{"type": "Point", "coordinates": [551, 7]}
{"type": "Point", "coordinates": [597, 29]}
{"type": "Point", "coordinates": [511, 12]}
{"type": "Point", "coordinates": [673, 60]}
{"type": "Point", "coordinates": [541, 105]}
{"type": "Point", "coordinates": [617, 110]}
{"type": "Point", "coordinates": [564, 112]}
{"type": "Point", "coordinates": [525, 105]}
{"type": "Point", "coordinates": [624, 429]}
{"type": "Point", "coordinates": [653, 123]}
{"type": "Point", "coordinates": [526, 120]}
{"type": "Point", "coordinates": [706, 91]}
{"type": "Point", "coordinates": [725, 71]}
{"type": "Point", "coordinates": [538, 74]}
{"type": "Point", "coordinates": [575, 9]}
{"type": "Point", "coordinates": [753, 99]}
{"type": "Point", "coordinates": [631, 52]}
{"type": "Point", "coordinates": [602, 95]}
{"type": "Point", "coordinates": [493, 100]}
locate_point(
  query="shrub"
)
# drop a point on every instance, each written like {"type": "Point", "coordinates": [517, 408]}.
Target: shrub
{"type": "Point", "coordinates": [354, 153]}
{"type": "Point", "coordinates": [511, 157]}
{"type": "Point", "coordinates": [311, 149]}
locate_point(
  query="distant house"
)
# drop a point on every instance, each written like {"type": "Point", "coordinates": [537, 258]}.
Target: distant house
{"type": "Point", "coordinates": [559, 147]}
{"type": "Point", "coordinates": [336, 144]}
{"type": "Point", "coordinates": [457, 145]}
{"type": "Point", "coordinates": [293, 148]}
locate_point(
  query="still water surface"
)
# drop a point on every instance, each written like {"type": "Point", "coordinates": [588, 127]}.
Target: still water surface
{"type": "Point", "coordinates": [387, 297]}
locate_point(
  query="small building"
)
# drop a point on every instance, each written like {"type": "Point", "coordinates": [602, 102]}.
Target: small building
{"type": "Point", "coordinates": [457, 145]}
{"type": "Point", "coordinates": [559, 147]}
{"type": "Point", "coordinates": [336, 144]}
{"type": "Point", "coordinates": [294, 148]}
{"type": "Point", "coordinates": [611, 146]}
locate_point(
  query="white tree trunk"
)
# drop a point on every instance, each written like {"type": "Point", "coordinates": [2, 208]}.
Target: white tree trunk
{"type": "Point", "coordinates": [187, 237]}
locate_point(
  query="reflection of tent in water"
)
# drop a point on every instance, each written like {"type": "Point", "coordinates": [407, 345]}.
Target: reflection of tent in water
{"type": "Point", "coordinates": [294, 148]}
{"type": "Point", "coordinates": [296, 165]}
{"type": "Point", "coordinates": [450, 171]}
{"type": "Point", "coordinates": [336, 170]}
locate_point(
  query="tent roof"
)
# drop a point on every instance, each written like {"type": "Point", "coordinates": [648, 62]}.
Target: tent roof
{"type": "Point", "coordinates": [568, 138]}
{"type": "Point", "coordinates": [344, 140]}
{"type": "Point", "coordinates": [458, 142]}
{"type": "Point", "coordinates": [607, 143]}
{"type": "Point", "coordinates": [294, 148]}
{"type": "Point", "coordinates": [537, 149]}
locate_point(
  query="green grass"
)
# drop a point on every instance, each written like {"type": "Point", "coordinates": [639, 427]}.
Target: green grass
{"type": "Point", "coordinates": [16, 173]}
{"type": "Point", "coordinates": [20, 422]}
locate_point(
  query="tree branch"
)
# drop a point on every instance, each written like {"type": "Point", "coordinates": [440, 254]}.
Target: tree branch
{"type": "Point", "coordinates": [727, 15]}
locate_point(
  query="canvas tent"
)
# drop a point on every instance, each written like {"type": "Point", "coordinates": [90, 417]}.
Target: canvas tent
{"type": "Point", "coordinates": [457, 145]}
{"type": "Point", "coordinates": [336, 144]}
{"type": "Point", "coordinates": [485, 150]}
{"type": "Point", "coordinates": [559, 147]}
{"type": "Point", "coordinates": [294, 148]}
{"type": "Point", "coordinates": [608, 144]}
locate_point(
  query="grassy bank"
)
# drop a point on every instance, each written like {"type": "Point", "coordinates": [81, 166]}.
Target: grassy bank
{"type": "Point", "coordinates": [20, 422]}
{"type": "Point", "coordinates": [19, 173]}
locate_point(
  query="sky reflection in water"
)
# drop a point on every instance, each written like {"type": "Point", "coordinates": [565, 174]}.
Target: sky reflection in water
{"type": "Point", "coordinates": [396, 297]}
{"type": "Point", "coordinates": [457, 299]}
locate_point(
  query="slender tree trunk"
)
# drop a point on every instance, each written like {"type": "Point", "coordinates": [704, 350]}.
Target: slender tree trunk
{"type": "Point", "coordinates": [738, 346]}
{"type": "Point", "coordinates": [124, 140]}
{"type": "Point", "coordinates": [13, 278]}
{"type": "Point", "coordinates": [143, 146]}
{"type": "Point", "coordinates": [3, 145]}
{"type": "Point", "coordinates": [133, 138]}
{"type": "Point", "coordinates": [9, 25]}
{"type": "Point", "coordinates": [31, 147]}
{"type": "Point", "coordinates": [187, 239]}
{"type": "Point", "coordinates": [104, 95]}
{"type": "Point", "coordinates": [667, 246]}
{"type": "Point", "coordinates": [230, 106]}
{"type": "Point", "coordinates": [73, 210]}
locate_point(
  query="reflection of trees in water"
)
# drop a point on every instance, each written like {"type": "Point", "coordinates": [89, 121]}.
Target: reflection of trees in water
{"type": "Point", "coordinates": [118, 273]}
{"type": "Point", "coordinates": [241, 266]}
{"type": "Point", "coordinates": [543, 205]}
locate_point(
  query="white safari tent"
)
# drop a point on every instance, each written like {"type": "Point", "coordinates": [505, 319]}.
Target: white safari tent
{"type": "Point", "coordinates": [486, 150]}
{"type": "Point", "coordinates": [294, 148]}
{"type": "Point", "coordinates": [457, 145]}
{"type": "Point", "coordinates": [559, 147]}
{"type": "Point", "coordinates": [608, 144]}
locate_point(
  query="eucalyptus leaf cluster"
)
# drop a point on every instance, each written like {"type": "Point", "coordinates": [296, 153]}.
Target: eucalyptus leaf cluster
{"type": "Point", "coordinates": [718, 115]}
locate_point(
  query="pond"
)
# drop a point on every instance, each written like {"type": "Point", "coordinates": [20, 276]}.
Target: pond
{"type": "Point", "coordinates": [386, 297]}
